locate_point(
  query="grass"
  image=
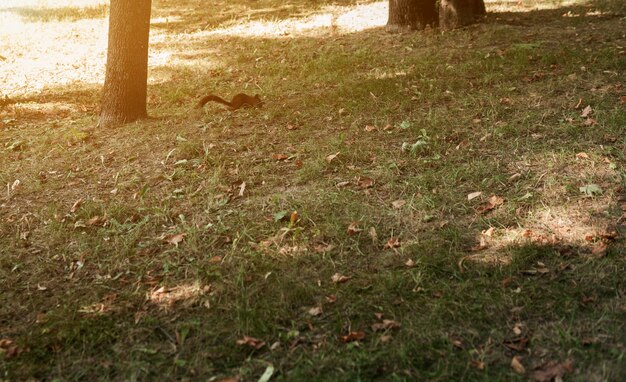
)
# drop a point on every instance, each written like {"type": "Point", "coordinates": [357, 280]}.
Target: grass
{"type": "Point", "coordinates": [96, 284]}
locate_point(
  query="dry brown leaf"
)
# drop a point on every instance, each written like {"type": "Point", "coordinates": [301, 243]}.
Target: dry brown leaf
{"type": "Point", "coordinates": [76, 205]}
{"type": "Point", "coordinates": [552, 370]}
{"type": "Point", "coordinates": [387, 127]}
{"type": "Point", "coordinates": [409, 263]}
{"type": "Point", "coordinates": [622, 99]}
{"type": "Point", "coordinates": [322, 247]}
{"type": "Point", "coordinates": [393, 242]}
{"type": "Point", "coordinates": [315, 311]}
{"type": "Point", "coordinates": [582, 155]}
{"type": "Point", "coordinates": [385, 325]}
{"type": "Point", "coordinates": [474, 195]}
{"type": "Point", "coordinates": [370, 128]}
{"type": "Point", "coordinates": [489, 231]}
{"type": "Point", "coordinates": [516, 364]}
{"type": "Point", "coordinates": [599, 250]}
{"type": "Point", "coordinates": [515, 176]}
{"type": "Point", "coordinates": [293, 218]}
{"type": "Point", "coordinates": [342, 184]}
{"type": "Point", "coordinates": [298, 163]}
{"type": "Point", "coordinates": [385, 338]}
{"type": "Point", "coordinates": [586, 111]}
{"type": "Point", "coordinates": [230, 379]}
{"type": "Point", "coordinates": [215, 259]}
{"type": "Point", "coordinates": [5, 343]}
{"type": "Point", "coordinates": [251, 342]}
{"type": "Point", "coordinates": [96, 221]}
{"type": "Point", "coordinates": [398, 203]}
{"type": "Point", "coordinates": [353, 228]}
{"type": "Point", "coordinates": [590, 122]}
{"type": "Point", "coordinates": [493, 202]}
{"type": "Point", "coordinates": [364, 182]}
{"type": "Point", "coordinates": [175, 239]}
{"type": "Point", "coordinates": [279, 157]}
{"type": "Point", "coordinates": [480, 365]}
{"type": "Point", "coordinates": [353, 337]}
{"type": "Point", "coordinates": [331, 299]}
{"type": "Point", "coordinates": [331, 157]}
{"type": "Point", "coordinates": [338, 278]}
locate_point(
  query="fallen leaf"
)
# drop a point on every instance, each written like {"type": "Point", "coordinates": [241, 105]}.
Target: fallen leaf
{"type": "Point", "coordinates": [517, 329]}
{"type": "Point", "coordinates": [474, 195]}
{"type": "Point", "coordinates": [215, 259]}
{"type": "Point", "coordinates": [370, 128]}
{"type": "Point", "coordinates": [331, 299]}
{"type": "Point", "coordinates": [298, 163]}
{"type": "Point", "coordinates": [552, 371]}
{"type": "Point", "coordinates": [76, 205]}
{"type": "Point", "coordinates": [387, 127]}
{"type": "Point", "coordinates": [489, 232]}
{"type": "Point", "coordinates": [292, 127]}
{"type": "Point", "coordinates": [622, 99]}
{"type": "Point", "coordinates": [409, 263]}
{"type": "Point", "coordinates": [342, 184]}
{"type": "Point", "coordinates": [353, 337]}
{"type": "Point", "coordinates": [174, 239]}
{"type": "Point", "coordinates": [96, 221]}
{"type": "Point", "coordinates": [315, 311]}
{"type": "Point", "coordinates": [591, 190]}
{"type": "Point", "coordinates": [364, 182]}
{"type": "Point", "coordinates": [5, 343]}
{"type": "Point", "coordinates": [322, 247]}
{"type": "Point", "coordinates": [515, 176]}
{"type": "Point", "coordinates": [590, 122]}
{"type": "Point", "coordinates": [379, 315]}
{"type": "Point", "coordinates": [398, 203]}
{"type": "Point", "coordinates": [386, 338]}
{"type": "Point", "coordinates": [353, 228]}
{"type": "Point", "coordinates": [385, 325]}
{"type": "Point", "coordinates": [331, 157]}
{"type": "Point", "coordinates": [493, 202]}
{"type": "Point", "coordinates": [582, 155]}
{"type": "Point", "coordinates": [251, 342]}
{"type": "Point", "coordinates": [338, 278]}
{"type": "Point", "coordinates": [517, 365]}
{"type": "Point", "coordinates": [242, 188]}
{"type": "Point", "coordinates": [373, 235]}
{"type": "Point", "coordinates": [480, 365]}
{"type": "Point", "coordinates": [393, 242]}
{"type": "Point", "coordinates": [293, 218]}
{"type": "Point", "coordinates": [586, 111]}
{"type": "Point", "coordinates": [267, 375]}
{"type": "Point", "coordinates": [279, 157]}
{"type": "Point", "coordinates": [599, 250]}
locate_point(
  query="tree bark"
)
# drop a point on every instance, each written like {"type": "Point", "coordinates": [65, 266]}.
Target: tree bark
{"type": "Point", "coordinates": [411, 15]}
{"type": "Point", "coordinates": [125, 84]}
{"type": "Point", "coordinates": [457, 13]}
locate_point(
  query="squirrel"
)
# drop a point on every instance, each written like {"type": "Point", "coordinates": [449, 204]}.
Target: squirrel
{"type": "Point", "coordinates": [240, 100]}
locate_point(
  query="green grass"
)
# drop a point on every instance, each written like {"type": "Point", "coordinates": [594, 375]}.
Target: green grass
{"type": "Point", "coordinates": [493, 104]}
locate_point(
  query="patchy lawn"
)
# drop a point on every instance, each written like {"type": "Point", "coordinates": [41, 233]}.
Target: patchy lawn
{"type": "Point", "coordinates": [424, 206]}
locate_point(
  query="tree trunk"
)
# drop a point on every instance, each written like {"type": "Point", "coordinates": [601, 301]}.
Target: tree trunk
{"type": "Point", "coordinates": [457, 13]}
{"type": "Point", "coordinates": [125, 84]}
{"type": "Point", "coordinates": [411, 14]}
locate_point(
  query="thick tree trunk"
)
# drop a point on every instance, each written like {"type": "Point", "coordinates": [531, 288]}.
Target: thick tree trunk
{"type": "Point", "coordinates": [411, 14]}
{"type": "Point", "coordinates": [125, 84]}
{"type": "Point", "coordinates": [457, 13]}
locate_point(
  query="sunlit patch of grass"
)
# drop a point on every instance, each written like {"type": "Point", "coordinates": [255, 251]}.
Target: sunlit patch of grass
{"type": "Point", "coordinates": [47, 15]}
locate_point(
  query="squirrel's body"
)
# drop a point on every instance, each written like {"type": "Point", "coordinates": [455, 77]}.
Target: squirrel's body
{"type": "Point", "coordinates": [238, 101]}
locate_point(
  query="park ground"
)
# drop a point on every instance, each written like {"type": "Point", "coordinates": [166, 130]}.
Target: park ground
{"type": "Point", "coordinates": [422, 206]}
